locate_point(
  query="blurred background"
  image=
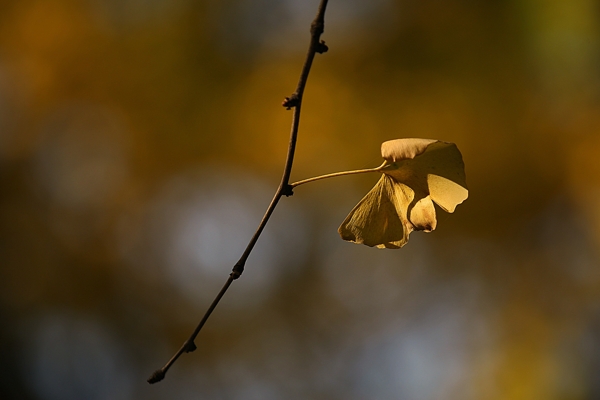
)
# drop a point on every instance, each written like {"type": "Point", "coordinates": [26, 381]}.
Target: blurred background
{"type": "Point", "coordinates": [141, 141]}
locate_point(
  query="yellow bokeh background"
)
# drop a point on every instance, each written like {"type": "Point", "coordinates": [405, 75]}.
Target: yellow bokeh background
{"type": "Point", "coordinates": [140, 143]}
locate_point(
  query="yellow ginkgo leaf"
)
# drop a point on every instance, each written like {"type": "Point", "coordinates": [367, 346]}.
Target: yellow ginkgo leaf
{"type": "Point", "coordinates": [417, 173]}
{"type": "Point", "coordinates": [377, 220]}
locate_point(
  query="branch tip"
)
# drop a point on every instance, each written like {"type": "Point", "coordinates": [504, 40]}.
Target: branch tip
{"type": "Point", "coordinates": [157, 376]}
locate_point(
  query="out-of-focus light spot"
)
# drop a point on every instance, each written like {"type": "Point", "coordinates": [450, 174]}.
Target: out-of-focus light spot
{"type": "Point", "coordinates": [564, 36]}
{"type": "Point", "coordinates": [574, 253]}
{"type": "Point", "coordinates": [10, 99]}
{"type": "Point", "coordinates": [200, 225]}
{"type": "Point", "coordinates": [428, 356]}
{"type": "Point", "coordinates": [358, 14]}
{"type": "Point", "coordinates": [82, 162]}
{"type": "Point", "coordinates": [5, 116]}
{"type": "Point", "coordinates": [249, 384]}
{"type": "Point", "coordinates": [270, 355]}
{"type": "Point", "coordinates": [74, 357]}
{"type": "Point", "coordinates": [364, 278]}
{"type": "Point", "coordinates": [589, 352]}
{"type": "Point", "coordinates": [125, 13]}
{"type": "Point", "coordinates": [284, 24]}
{"type": "Point", "coordinates": [234, 379]}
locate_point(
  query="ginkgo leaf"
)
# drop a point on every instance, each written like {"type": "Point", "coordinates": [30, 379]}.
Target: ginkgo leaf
{"type": "Point", "coordinates": [437, 169]}
{"type": "Point", "coordinates": [417, 173]}
{"type": "Point", "coordinates": [422, 214]}
{"type": "Point", "coordinates": [378, 219]}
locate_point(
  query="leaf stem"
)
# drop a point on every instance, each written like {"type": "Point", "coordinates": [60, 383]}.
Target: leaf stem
{"type": "Point", "coordinates": [336, 174]}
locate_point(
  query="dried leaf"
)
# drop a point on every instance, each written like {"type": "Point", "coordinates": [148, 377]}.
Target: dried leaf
{"type": "Point", "coordinates": [419, 172]}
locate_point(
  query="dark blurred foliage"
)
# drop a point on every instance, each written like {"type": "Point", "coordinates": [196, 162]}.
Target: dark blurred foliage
{"type": "Point", "coordinates": [140, 142]}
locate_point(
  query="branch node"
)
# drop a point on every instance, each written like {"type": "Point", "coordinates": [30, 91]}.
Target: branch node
{"type": "Point", "coordinates": [238, 269]}
{"type": "Point", "coordinates": [189, 346]}
{"type": "Point", "coordinates": [292, 101]}
{"type": "Point", "coordinates": [321, 47]}
{"type": "Point", "coordinates": [288, 190]}
{"type": "Point", "coordinates": [317, 27]}
{"type": "Point", "coordinates": [157, 376]}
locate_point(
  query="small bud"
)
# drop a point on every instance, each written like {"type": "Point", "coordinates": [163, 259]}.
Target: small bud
{"type": "Point", "coordinates": [321, 47]}
{"type": "Point", "coordinates": [190, 346]}
{"type": "Point", "coordinates": [291, 101]}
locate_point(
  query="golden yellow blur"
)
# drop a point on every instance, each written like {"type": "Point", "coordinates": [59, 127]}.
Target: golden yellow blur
{"type": "Point", "coordinates": [140, 143]}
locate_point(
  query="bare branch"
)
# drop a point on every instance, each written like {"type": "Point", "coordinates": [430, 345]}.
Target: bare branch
{"type": "Point", "coordinates": [284, 189]}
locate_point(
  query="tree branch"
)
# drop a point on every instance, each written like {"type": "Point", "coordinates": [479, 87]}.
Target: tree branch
{"type": "Point", "coordinates": [294, 101]}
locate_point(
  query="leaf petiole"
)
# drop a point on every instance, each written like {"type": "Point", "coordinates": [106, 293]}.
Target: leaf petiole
{"type": "Point", "coordinates": [336, 174]}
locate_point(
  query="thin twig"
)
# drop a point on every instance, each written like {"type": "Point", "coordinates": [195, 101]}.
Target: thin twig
{"type": "Point", "coordinates": [285, 189]}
